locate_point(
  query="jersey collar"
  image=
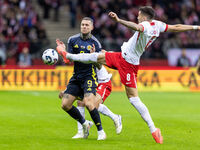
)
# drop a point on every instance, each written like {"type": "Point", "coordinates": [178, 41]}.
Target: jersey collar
{"type": "Point", "coordinates": [86, 37]}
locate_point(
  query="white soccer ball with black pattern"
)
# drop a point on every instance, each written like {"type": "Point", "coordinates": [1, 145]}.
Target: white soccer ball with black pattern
{"type": "Point", "coordinates": [50, 56]}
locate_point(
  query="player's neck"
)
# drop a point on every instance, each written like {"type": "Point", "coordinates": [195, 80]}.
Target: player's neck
{"type": "Point", "coordinates": [86, 36]}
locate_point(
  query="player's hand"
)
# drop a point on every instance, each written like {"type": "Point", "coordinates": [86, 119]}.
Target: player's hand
{"type": "Point", "coordinates": [113, 16]}
{"type": "Point", "coordinates": [61, 94]}
{"type": "Point", "coordinates": [103, 50]}
{"type": "Point", "coordinates": [93, 49]}
{"type": "Point", "coordinates": [60, 44]}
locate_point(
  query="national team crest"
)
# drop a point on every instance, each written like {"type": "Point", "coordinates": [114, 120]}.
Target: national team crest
{"type": "Point", "coordinates": [89, 47]}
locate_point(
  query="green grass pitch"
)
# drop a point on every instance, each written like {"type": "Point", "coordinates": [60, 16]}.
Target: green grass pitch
{"type": "Point", "coordinates": [35, 121]}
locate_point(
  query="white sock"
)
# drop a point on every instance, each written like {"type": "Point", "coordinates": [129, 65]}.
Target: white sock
{"type": "Point", "coordinates": [82, 111]}
{"type": "Point", "coordinates": [84, 58]}
{"type": "Point", "coordinates": [103, 109]}
{"type": "Point", "coordinates": [142, 109]}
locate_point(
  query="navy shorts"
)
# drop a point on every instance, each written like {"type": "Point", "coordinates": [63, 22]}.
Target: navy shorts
{"type": "Point", "coordinates": [78, 87]}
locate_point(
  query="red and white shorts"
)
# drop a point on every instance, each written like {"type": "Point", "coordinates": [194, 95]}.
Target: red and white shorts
{"type": "Point", "coordinates": [104, 89]}
{"type": "Point", "coordinates": [127, 71]}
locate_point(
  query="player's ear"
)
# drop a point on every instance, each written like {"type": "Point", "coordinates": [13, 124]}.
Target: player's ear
{"type": "Point", "coordinates": [92, 27]}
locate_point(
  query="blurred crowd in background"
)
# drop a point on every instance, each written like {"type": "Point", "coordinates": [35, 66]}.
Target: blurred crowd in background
{"type": "Point", "coordinates": [21, 31]}
{"type": "Point", "coordinates": [23, 34]}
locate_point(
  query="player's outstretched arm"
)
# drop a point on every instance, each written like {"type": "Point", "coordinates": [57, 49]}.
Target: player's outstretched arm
{"type": "Point", "coordinates": [129, 24]}
{"type": "Point", "coordinates": [182, 28]}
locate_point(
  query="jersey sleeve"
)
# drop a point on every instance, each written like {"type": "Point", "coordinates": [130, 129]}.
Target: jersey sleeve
{"type": "Point", "coordinates": [70, 46]}
{"type": "Point", "coordinates": [144, 25]}
{"type": "Point", "coordinates": [163, 26]}
{"type": "Point", "coordinates": [97, 47]}
{"type": "Point", "coordinates": [97, 44]}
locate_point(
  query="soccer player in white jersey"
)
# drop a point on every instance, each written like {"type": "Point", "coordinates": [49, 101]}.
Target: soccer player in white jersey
{"type": "Point", "coordinates": [103, 91]}
{"type": "Point", "coordinates": [127, 61]}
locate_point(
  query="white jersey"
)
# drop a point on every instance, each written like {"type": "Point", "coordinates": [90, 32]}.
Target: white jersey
{"type": "Point", "coordinates": [140, 41]}
{"type": "Point", "coordinates": [103, 75]}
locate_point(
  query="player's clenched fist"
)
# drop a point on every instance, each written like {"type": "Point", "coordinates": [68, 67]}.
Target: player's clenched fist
{"type": "Point", "coordinates": [113, 16]}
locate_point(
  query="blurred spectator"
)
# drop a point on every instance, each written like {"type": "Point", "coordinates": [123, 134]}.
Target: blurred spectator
{"type": "Point", "coordinates": [197, 61]}
{"type": "Point", "coordinates": [2, 54]}
{"type": "Point", "coordinates": [56, 6]}
{"type": "Point", "coordinates": [72, 9]}
{"type": "Point", "coordinates": [183, 60]}
{"type": "Point", "coordinates": [2, 50]}
{"type": "Point", "coordinates": [47, 5]}
{"type": "Point", "coordinates": [24, 58]}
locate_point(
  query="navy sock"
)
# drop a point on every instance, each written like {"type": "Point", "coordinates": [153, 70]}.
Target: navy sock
{"type": "Point", "coordinates": [96, 118]}
{"type": "Point", "coordinates": [74, 113]}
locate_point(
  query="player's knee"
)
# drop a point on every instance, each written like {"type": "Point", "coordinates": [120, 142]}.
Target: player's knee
{"type": "Point", "coordinates": [80, 103]}
{"type": "Point", "coordinates": [98, 100]}
{"type": "Point", "coordinates": [89, 104]}
{"type": "Point", "coordinates": [65, 106]}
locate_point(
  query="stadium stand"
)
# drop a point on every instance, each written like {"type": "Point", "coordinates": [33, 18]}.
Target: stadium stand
{"type": "Point", "coordinates": [33, 24]}
{"type": "Point", "coordinates": [20, 26]}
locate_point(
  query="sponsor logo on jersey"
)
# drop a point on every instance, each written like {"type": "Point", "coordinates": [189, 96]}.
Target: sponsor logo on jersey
{"type": "Point", "coordinates": [128, 82]}
{"type": "Point", "coordinates": [76, 46]}
{"type": "Point", "coordinates": [89, 89]}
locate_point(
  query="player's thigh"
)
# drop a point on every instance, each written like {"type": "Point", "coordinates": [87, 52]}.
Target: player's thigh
{"type": "Point", "coordinates": [89, 100]}
{"type": "Point", "coordinates": [89, 85]}
{"type": "Point", "coordinates": [104, 90]}
{"type": "Point", "coordinates": [74, 88]}
{"type": "Point", "coordinates": [112, 59]}
{"type": "Point", "coordinates": [98, 100]}
{"type": "Point", "coordinates": [128, 73]}
{"type": "Point", "coordinates": [131, 92]}
{"type": "Point", "coordinates": [67, 101]}
{"type": "Point", "coordinates": [80, 103]}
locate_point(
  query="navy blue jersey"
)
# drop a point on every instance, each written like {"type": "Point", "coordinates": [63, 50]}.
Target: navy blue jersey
{"type": "Point", "coordinates": [77, 45]}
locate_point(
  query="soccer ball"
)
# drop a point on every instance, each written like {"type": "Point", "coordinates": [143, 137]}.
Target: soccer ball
{"type": "Point", "coordinates": [50, 56]}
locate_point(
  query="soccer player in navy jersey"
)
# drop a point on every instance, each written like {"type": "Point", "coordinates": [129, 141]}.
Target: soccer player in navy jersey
{"type": "Point", "coordinates": [83, 83]}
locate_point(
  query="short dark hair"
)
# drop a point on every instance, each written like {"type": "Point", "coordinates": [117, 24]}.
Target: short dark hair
{"type": "Point", "coordinates": [88, 18]}
{"type": "Point", "coordinates": [148, 11]}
